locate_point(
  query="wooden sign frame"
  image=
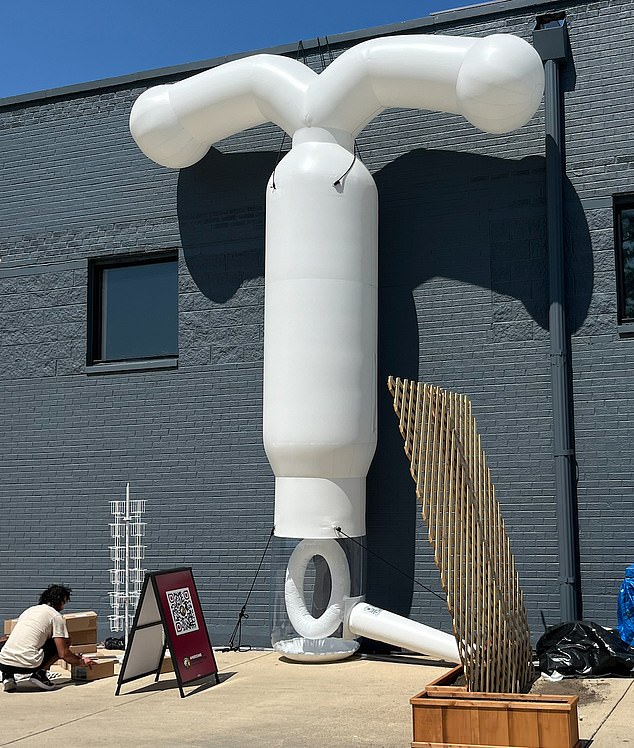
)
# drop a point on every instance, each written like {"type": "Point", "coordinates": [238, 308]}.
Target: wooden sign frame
{"type": "Point", "coordinates": [168, 609]}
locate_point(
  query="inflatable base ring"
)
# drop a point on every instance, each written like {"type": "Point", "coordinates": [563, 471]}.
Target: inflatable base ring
{"type": "Point", "coordinates": [302, 621]}
{"type": "Point", "coordinates": [329, 649]}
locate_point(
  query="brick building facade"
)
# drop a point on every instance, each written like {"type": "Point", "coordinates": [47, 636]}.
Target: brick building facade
{"type": "Point", "coordinates": [463, 303]}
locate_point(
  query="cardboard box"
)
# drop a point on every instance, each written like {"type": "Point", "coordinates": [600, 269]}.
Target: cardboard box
{"type": "Point", "coordinates": [83, 638]}
{"type": "Point", "coordinates": [9, 625]}
{"type": "Point", "coordinates": [83, 621]}
{"type": "Point", "coordinates": [87, 649]}
{"type": "Point", "coordinates": [102, 668]}
{"type": "Point", "coordinates": [84, 648]}
{"type": "Point", "coordinates": [168, 665]}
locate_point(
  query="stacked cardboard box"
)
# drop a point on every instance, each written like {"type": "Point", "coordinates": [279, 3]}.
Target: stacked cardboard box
{"type": "Point", "coordinates": [102, 667]}
{"type": "Point", "coordinates": [9, 625]}
{"type": "Point", "coordinates": [82, 626]}
{"type": "Point", "coordinates": [82, 629]}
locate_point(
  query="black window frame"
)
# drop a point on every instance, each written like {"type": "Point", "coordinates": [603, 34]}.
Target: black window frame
{"type": "Point", "coordinates": [96, 266]}
{"type": "Point", "coordinates": [619, 203]}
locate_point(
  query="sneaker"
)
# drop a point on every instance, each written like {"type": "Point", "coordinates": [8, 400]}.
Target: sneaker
{"type": "Point", "coordinates": [9, 685]}
{"type": "Point", "coordinates": [40, 680]}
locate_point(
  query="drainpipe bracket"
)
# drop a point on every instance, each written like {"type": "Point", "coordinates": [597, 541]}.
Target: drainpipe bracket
{"type": "Point", "coordinates": [550, 36]}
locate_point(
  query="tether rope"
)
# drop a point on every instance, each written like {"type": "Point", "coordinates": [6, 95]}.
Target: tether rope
{"type": "Point", "coordinates": [385, 561]}
{"type": "Point", "coordinates": [243, 615]}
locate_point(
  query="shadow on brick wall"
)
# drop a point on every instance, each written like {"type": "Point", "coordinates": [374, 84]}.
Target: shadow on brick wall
{"type": "Point", "coordinates": [476, 220]}
{"type": "Point", "coordinates": [221, 220]}
{"type": "Point", "coordinates": [479, 221]}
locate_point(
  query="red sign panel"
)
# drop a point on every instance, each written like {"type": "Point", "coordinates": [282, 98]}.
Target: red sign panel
{"type": "Point", "coordinates": [187, 635]}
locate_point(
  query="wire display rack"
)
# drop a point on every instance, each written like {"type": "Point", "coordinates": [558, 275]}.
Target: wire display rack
{"type": "Point", "coordinates": [127, 554]}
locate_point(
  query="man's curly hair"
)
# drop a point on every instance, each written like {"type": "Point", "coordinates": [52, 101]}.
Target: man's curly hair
{"type": "Point", "coordinates": [55, 595]}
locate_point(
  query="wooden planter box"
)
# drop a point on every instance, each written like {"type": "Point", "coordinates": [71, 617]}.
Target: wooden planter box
{"type": "Point", "coordinates": [447, 716]}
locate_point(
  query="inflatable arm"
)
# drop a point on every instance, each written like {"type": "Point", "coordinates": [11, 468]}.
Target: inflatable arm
{"type": "Point", "coordinates": [176, 124]}
{"type": "Point", "coordinates": [495, 82]}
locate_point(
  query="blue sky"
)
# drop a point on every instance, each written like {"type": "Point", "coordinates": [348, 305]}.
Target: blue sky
{"type": "Point", "coordinates": [47, 44]}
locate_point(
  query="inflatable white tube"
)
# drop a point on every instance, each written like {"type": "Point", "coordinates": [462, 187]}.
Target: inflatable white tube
{"type": "Point", "coordinates": [358, 617]}
{"type": "Point", "coordinates": [376, 623]}
{"type": "Point", "coordinates": [495, 82]}
{"type": "Point", "coordinates": [320, 333]}
{"type": "Point", "coordinates": [321, 246]}
{"type": "Point", "coordinates": [176, 124]}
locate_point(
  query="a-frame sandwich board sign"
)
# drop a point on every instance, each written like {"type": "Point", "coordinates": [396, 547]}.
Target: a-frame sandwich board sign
{"type": "Point", "coordinates": [169, 615]}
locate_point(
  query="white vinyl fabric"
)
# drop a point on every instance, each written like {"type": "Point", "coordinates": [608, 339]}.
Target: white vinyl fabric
{"type": "Point", "coordinates": [329, 649]}
{"type": "Point", "coordinates": [376, 623]}
{"type": "Point", "coordinates": [303, 622]}
{"type": "Point", "coordinates": [320, 327]}
{"type": "Point", "coordinates": [495, 82]}
{"type": "Point", "coordinates": [320, 332]}
{"type": "Point", "coordinates": [320, 338]}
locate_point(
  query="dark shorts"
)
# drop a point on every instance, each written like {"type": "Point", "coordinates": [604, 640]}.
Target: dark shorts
{"type": "Point", "coordinates": [50, 651]}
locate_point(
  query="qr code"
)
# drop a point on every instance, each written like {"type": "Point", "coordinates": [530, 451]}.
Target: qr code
{"type": "Point", "coordinates": [182, 610]}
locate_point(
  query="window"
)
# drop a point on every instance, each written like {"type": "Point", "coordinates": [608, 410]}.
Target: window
{"type": "Point", "coordinates": [624, 239]}
{"type": "Point", "coordinates": [133, 309]}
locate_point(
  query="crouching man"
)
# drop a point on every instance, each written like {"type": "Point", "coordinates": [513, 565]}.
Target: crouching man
{"type": "Point", "coordinates": [40, 637]}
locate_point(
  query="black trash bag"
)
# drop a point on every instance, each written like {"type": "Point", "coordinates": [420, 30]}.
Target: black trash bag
{"type": "Point", "coordinates": [583, 648]}
{"type": "Point", "coordinates": [112, 643]}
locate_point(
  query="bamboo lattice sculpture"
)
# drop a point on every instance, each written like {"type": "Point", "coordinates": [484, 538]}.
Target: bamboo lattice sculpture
{"type": "Point", "coordinates": [466, 531]}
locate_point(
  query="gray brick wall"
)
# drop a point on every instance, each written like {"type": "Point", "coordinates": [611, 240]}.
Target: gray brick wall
{"type": "Point", "coordinates": [463, 304]}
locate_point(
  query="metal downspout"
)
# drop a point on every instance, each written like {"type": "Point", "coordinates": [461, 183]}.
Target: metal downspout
{"type": "Point", "coordinates": [550, 40]}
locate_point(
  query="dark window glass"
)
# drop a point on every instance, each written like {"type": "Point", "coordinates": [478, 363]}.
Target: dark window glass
{"type": "Point", "coordinates": [624, 225]}
{"type": "Point", "coordinates": [135, 310]}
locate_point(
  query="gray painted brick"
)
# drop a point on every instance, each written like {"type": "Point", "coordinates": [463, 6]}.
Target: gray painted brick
{"type": "Point", "coordinates": [463, 300]}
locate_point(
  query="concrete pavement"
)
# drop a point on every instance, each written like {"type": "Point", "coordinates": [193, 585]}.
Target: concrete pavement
{"type": "Point", "coordinates": [263, 700]}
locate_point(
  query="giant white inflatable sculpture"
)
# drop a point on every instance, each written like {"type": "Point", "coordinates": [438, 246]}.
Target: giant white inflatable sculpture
{"type": "Point", "coordinates": [320, 329]}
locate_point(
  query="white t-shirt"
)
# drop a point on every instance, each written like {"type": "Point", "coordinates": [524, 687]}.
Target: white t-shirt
{"type": "Point", "coordinates": [24, 645]}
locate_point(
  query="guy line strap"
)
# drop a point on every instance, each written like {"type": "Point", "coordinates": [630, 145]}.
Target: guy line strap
{"type": "Point", "coordinates": [466, 531]}
{"type": "Point", "coordinates": [385, 561]}
{"type": "Point", "coordinates": [242, 615]}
